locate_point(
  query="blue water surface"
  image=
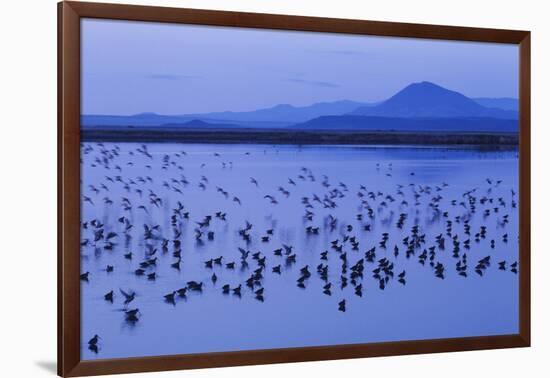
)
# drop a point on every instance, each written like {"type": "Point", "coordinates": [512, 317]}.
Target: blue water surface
{"type": "Point", "coordinates": [128, 185]}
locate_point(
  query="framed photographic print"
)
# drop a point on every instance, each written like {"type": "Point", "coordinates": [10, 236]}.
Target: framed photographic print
{"type": "Point", "coordinates": [239, 188]}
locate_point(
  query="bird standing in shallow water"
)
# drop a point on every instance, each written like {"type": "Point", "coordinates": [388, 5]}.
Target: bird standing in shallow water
{"type": "Point", "coordinates": [237, 291]}
{"type": "Point", "coordinates": [109, 296]}
{"type": "Point", "coordinates": [225, 289]}
{"type": "Point", "coordinates": [92, 344]}
{"type": "Point", "coordinates": [131, 315]}
{"type": "Point", "coordinates": [342, 305]}
{"type": "Point", "coordinates": [169, 298]}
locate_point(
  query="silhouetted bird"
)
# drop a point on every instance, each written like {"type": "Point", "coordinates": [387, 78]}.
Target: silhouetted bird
{"type": "Point", "coordinates": [128, 297]}
{"type": "Point", "coordinates": [92, 344]}
{"type": "Point", "coordinates": [169, 298]}
{"type": "Point", "coordinates": [109, 296]}
{"type": "Point", "coordinates": [342, 305]}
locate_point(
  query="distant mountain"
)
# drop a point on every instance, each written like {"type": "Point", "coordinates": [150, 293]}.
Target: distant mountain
{"type": "Point", "coordinates": [377, 123]}
{"type": "Point", "coordinates": [504, 103]}
{"type": "Point", "coordinates": [420, 106]}
{"type": "Point", "coordinates": [277, 116]}
{"type": "Point", "coordinates": [428, 100]}
{"type": "Point", "coordinates": [286, 112]}
{"type": "Point", "coordinates": [198, 124]}
{"type": "Point", "coordinates": [142, 119]}
{"type": "Point", "coordinates": [153, 119]}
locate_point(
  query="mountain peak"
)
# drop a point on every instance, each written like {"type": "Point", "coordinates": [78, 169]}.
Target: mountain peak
{"type": "Point", "coordinates": [428, 100]}
{"type": "Point", "coordinates": [427, 88]}
{"type": "Point", "coordinates": [196, 122]}
{"type": "Point", "coordinates": [283, 106]}
{"type": "Point", "coordinates": [146, 114]}
{"type": "Point", "coordinates": [427, 84]}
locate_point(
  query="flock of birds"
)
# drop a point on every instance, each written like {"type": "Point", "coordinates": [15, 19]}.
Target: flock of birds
{"type": "Point", "coordinates": [357, 251]}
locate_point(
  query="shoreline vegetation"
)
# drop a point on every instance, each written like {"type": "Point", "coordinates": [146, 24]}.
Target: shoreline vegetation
{"type": "Point", "coordinates": [496, 140]}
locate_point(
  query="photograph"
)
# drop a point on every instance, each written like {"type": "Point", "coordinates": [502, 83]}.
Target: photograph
{"type": "Point", "coordinates": [247, 189]}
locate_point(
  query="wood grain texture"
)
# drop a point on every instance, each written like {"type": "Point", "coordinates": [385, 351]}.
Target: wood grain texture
{"type": "Point", "coordinates": [274, 21]}
{"type": "Point", "coordinates": [68, 174]}
{"type": "Point", "coordinates": [525, 189]}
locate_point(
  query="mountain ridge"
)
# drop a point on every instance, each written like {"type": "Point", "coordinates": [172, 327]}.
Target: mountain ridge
{"type": "Point", "coordinates": [422, 102]}
{"type": "Point", "coordinates": [504, 103]}
{"type": "Point", "coordinates": [377, 123]}
{"type": "Point", "coordinates": [279, 115]}
{"type": "Point", "coordinates": [428, 100]}
{"type": "Point", "coordinates": [287, 112]}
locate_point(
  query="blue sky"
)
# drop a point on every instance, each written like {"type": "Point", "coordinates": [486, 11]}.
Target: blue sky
{"type": "Point", "coordinates": [133, 67]}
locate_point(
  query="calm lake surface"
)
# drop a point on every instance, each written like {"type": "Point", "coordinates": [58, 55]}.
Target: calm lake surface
{"type": "Point", "coordinates": [392, 188]}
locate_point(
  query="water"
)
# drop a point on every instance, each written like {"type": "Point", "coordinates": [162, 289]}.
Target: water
{"type": "Point", "coordinates": [425, 307]}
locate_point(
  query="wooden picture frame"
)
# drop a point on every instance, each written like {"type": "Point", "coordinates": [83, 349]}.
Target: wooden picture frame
{"type": "Point", "coordinates": [69, 338]}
